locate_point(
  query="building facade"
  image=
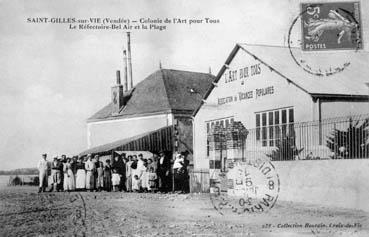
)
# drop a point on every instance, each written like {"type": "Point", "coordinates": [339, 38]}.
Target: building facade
{"type": "Point", "coordinates": [165, 99]}
{"type": "Point", "coordinates": [277, 103]}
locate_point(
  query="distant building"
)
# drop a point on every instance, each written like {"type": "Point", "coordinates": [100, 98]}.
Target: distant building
{"type": "Point", "coordinates": [154, 115]}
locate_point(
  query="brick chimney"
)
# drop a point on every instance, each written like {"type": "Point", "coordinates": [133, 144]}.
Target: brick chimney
{"type": "Point", "coordinates": [117, 96]}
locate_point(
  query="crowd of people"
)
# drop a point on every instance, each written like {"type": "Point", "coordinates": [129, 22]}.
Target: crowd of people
{"type": "Point", "coordinates": [130, 173]}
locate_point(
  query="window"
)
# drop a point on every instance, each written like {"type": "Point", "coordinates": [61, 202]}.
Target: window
{"type": "Point", "coordinates": [284, 123]}
{"type": "Point", "coordinates": [273, 125]}
{"type": "Point", "coordinates": [276, 127]}
{"type": "Point", "coordinates": [257, 127]}
{"type": "Point", "coordinates": [290, 122]}
{"type": "Point", "coordinates": [264, 128]}
{"type": "Point", "coordinates": [271, 129]}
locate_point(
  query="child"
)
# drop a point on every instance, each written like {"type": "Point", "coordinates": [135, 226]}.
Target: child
{"type": "Point", "coordinates": [115, 179]}
{"type": "Point", "coordinates": [152, 180]}
{"type": "Point", "coordinates": [136, 184]}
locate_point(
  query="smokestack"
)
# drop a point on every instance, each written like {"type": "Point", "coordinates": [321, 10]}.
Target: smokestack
{"type": "Point", "coordinates": [125, 70]}
{"type": "Point", "coordinates": [129, 59]}
{"type": "Point", "coordinates": [118, 77]}
{"type": "Point", "coordinates": [117, 98]}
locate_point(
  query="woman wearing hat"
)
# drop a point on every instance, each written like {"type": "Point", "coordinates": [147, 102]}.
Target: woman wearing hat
{"type": "Point", "coordinates": [177, 166]}
{"type": "Point", "coordinates": [68, 176]}
{"type": "Point", "coordinates": [90, 169]}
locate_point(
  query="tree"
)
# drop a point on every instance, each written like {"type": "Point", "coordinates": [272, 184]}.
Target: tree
{"type": "Point", "coordinates": [286, 149]}
{"type": "Point", "coordinates": [352, 142]}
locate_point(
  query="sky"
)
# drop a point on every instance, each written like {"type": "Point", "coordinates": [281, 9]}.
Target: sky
{"type": "Point", "coordinates": [53, 78]}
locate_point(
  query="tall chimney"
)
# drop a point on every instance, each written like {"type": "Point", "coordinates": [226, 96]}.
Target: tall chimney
{"type": "Point", "coordinates": [118, 77]}
{"type": "Point", "coordinates": [125, 70]}
{"type": "Point", "coordinates": [129, 59]}
{"type": "Point", "coordinates": [117, 98]}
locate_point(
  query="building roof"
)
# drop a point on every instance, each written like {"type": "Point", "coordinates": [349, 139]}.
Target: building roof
{"type": "Point", "coordinates": [165, 90]}
{"type": "Point", "coordinates": [153, 141]}
{"type": "Point", "coordinates": [349, 83]}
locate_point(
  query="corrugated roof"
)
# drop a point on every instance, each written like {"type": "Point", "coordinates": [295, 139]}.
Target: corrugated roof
{"type": "Point", "coordinates": [160, 139]}
{"type": "Point", "coordinates": [162, 91]}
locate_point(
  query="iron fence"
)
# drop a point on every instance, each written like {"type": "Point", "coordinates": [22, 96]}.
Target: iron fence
{"type": "Point", "coordinates": [335, 138]}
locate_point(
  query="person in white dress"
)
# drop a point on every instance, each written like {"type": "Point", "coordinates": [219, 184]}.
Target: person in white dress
{"type": "Point", "coordinates": [129, 174]}
{"type": "Point", "coordinates": [81, 174]}
{"type": "Point", "coordinates": [115, 179]}
{"type": "Point", "coordinates": [42, 167]}
{"type": "Point", "coordinates": [90, 168]}
{"type": "Point", "coordinates": [136, 184]}
{"type": "Point", "coordinates": [145, 177]}
{"type": "Point", "coordinates": [69, 184]}
{"type": "Point", "coordinates": [141, 172]}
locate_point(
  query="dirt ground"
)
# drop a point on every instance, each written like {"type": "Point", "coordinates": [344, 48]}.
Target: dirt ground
{"type": "Point", "coordinates": [23, 212]}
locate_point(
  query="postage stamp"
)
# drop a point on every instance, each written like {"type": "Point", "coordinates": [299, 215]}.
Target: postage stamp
{"type": "Point", "coordinates": [251, 187]}
{"type": "Point", "coordinates": [333, 28]}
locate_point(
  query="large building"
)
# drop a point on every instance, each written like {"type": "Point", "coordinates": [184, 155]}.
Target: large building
{"type": "Point", "coordinates": [264, 104]}
{"type": "Point", "coordinates": [142, 118]}
{"type": "Point", "coordinates": [263, 88]}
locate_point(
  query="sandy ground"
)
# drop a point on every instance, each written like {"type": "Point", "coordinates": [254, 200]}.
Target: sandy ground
{"type": "Point", "coordinates": [23, 212]}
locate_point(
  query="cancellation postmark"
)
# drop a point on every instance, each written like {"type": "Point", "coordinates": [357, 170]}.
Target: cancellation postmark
{"type": "Point", "coordinates": [251, 187]}
{"type": "Point", "coordinates": [333, 28]}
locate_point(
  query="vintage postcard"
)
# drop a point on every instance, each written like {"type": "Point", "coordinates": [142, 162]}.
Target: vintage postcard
{"type": "Point", "coordinates": [184, 118]}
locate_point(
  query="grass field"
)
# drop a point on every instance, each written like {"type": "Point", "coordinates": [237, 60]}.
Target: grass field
{"type": "Point", "coordinates": [23, 212]}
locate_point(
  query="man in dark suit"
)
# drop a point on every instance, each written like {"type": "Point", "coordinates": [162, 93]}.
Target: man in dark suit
{"type": "Point", "coordinates": [164, 172]}
{"type": "Point", "coordinates": [56, 166]}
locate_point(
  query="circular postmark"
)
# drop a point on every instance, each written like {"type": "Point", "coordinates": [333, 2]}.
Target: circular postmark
{"type": "Point", "coordinates": [247, 187]}
{"type": "Point", "coordinates": [333, 27]}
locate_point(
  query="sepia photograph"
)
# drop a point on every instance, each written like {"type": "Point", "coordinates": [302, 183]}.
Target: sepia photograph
{"type": "Point", "coordinates": [184, 118]}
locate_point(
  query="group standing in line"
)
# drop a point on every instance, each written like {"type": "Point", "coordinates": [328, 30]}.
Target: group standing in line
{"type": "Point", "coordinates": [123, 173]}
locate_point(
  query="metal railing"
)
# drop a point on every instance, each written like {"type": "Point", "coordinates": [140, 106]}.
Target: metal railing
{"type": "Point", "coordinates": [335, 138]}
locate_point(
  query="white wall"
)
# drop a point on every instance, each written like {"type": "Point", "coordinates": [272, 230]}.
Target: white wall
{"type": "Point", "coordinates": [285, 95]}
{"type": "Point", "coordinates": [341, 183]}
{"type": "Point", "coordinates": [339, 109]}
{"type": "Point", "coordinates": [103, 132]}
